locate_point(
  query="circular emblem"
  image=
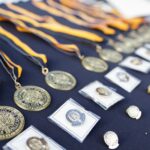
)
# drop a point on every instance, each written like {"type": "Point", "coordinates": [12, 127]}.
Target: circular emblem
{"type": "Point", "coordinates": [110, 55]}
{"type": "Point", "coordinates": [134, 112]}
{"type": "Point", "coordinates": [75, 117]}
{"type": "Point", "coordinates": [94, 64]}
{"type": "Point", "coordinates": [35, 143]}
{"type": "Point", "coordinates": [121, 47]}
{"type": "Point", "coordinates": [136, 61]}
{"type": "Point", "coordinates": [123, 77]}
{"type": "Point", "coordinates": [32, 98]}
{"type": "Point", "coordinates": [103, 91]}
{"type": "Point", "coordinates": [111, 139]}
{"type": "Point", "coordinates": [11, 122]}
{"type": "Point", "coordinates": [60, 80]}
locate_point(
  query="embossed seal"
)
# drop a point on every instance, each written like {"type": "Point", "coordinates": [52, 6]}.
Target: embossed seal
{"type": "Point", "coordinates": [32, 98]}
{"type": "Point", "coordinates": [60, 80]}
{"type": "Point", "coordinates": [11, 122]}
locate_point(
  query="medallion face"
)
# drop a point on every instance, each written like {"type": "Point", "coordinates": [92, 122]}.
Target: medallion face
{"type": "Point", "coordinates": [121, 47]}
{"type": "Point", "coordinates": [75, 117]}
{"type": "Point", "coordinates": [32, 98]}
{"type": "Point", "coordinates": [123, 77]}
{"type": "Point", "coordinates": [103, 91]}
{"type": "Point", "coordinates": [11, 122]}
{"type": "Point", "coordinates": [94, 64]}
{"type": "Point", "coordinates": [35, 143]}
{"type": "Point", "coordinates": [111, 139]}
{"type": "Point", "coordinates": [110, 55]}
{"type": "Point", "coordinates": [60, 80]}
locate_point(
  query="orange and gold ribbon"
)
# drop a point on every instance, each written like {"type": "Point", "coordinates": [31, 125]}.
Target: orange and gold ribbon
{"type": "Point", "coordinates": [54, 26]}
{"type": "Point", "coordinates": [11, 64]}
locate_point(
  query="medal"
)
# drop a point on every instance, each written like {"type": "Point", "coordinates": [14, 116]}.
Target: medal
{"type": "Point", "coordinates": [11, 122]}
{"type": "Point", "coordinates": [110, 55]}
{"type": "Point", "coordinates": [94, 64]}
{"type": "Point", "coordinates": [32, 98]}
{"type": "Point", "coordinates": [75, 117]}
{"type": "Point", "coordinates": [103, 91]}
{"type": "Point", "coordinates": [60, 80]}
{"type": "Point", "coordinates": [35, 143]}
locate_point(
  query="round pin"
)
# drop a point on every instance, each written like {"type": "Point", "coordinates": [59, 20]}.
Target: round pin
{"type": "Point", "coordinates": [111, 140]}
{"type": "Point", "coordinates": [123, 77]}
{"type": "Point", "coordinates": [136, 61]}
{"type": "Point", "coordinates": [103, 91]}
{"type": "Point", "coordinates": [35, 143]}
{"type": "Point", "coordinates": [75, 117]}
{"type": "Point", "coordinates": [134, 112]}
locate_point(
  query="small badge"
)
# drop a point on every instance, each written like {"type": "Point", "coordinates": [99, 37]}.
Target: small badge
{"type": "Point", "coordinates": [123, 79]}
{"type": "Point", "coordinates": [111, 139]}
{"type": "Point", "coordinates": [134, 112]}
{"type": "Point", "coordinates": [101, 94]}
{"type": "Point", "coordinates": [136, 63]}
{"type": "Point", "coordinates": [143, 52]}
{"type": "Point", "coordinates": [75, 117]}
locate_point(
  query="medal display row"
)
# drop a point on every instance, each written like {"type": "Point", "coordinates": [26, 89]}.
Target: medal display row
{"type": "Point", "coordinates": [127, 48]}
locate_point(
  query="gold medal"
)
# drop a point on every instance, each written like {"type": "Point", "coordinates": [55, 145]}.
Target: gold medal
{"type": "Point", "coordinates": [94, 64]}
{"type": "Point", "coordinates": [121, 47]}
{"type": "Point", "coordinates": [32, 98]}
{"type": "Point", "coordinates": [11, 122]}
{"type": "Point", "coordinates": [110, 55]}
{"type": "Point", "coordinates": [60, 80]}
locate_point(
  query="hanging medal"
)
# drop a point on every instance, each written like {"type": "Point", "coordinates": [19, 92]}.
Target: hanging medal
{"type": "Point", "coordinates": [109, 54]}
{"type": "Point", "coordinates": [59, 80]}
{"type": "Point", "coordinates": [31, 98]}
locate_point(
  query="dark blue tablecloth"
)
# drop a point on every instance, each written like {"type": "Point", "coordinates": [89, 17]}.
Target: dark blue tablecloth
{"type": "Point", "coordinates": [132, 134]}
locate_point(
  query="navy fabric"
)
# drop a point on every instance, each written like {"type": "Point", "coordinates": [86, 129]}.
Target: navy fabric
{"type": "Point", "coordinates": [132, 134]}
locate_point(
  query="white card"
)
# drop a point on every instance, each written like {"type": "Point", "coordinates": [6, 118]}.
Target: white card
{"type": "Point", "coordinates": [143, 52]}
{"type": "Point", "coordinates": [136, 63]}
{"type": "Point", "coordinates": [105, 101]}
{"type": "Point", "coordinates": [21, 140]}
{"type": "Point", "coordinates": [81, 131]}
{"type": "Point", "coordinates": [123, 79]}
{"type": "Point", "coordinates": [132, 8]}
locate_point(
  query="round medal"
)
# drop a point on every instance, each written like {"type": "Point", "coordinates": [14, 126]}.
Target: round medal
{"type": "Point", "coordinates": [60, 80]}
{"type": "Point", "coordinates": [94, 64]}
{"type": "Point", "coordinates": [121, 47]}
{"type": "Point", "coordinates": [35, 143]}
{"type": "Point", "coordinates": [75, 117]}
{"type": "Point", "coordinates": [110, 55]}
{"type": "Point", "coordinates": [32, 98]}
{"type": "Point", "coordinates": [11, 122]}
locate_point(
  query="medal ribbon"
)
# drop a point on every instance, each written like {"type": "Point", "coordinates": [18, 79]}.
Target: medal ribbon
{"type": "Point", "coordinates": [75, 4]}
{"type": "Point", "coordinates": [21, 27]}
{"type": "Point", "coordinates": [10, 67]}
{"type": "Point", "coordinates": [54, 26]}
{"type": "Point", "coordinates": [103, 23]}
{"type": "Point", "coordinates": [22, 45]}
